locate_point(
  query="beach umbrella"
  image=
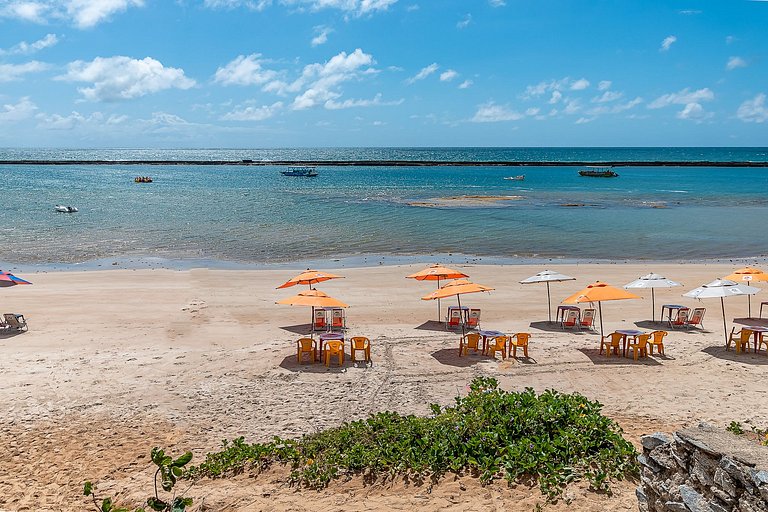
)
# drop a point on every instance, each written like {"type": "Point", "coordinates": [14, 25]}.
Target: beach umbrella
{"type": "Point", "coordinates": [314, 298]}
{"type": "Point", "coordinates": [548, 276]}
{"type": "Point", "coordinates": [7, 280]}
{"type": "Point", "coordinates": [599, 292]}
{"type": "Point", "coordinates": [436, 273]}
{"type": "Point", "coordinates": [457, 288]}
{"type": "Point", "coordinates": [721, 288]}
{"type": "Point", "coordinates": [748, 275]}
{"type": "Point", "coordinates": [309, 277]}
{"type": "Point", "coordinates": [652, 281]}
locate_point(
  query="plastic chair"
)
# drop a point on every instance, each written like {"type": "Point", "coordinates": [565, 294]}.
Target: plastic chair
{"type": "Point", "coordinates": [334, 348]}
{"type": "Point", "coordinates": [338, 320]}
{"type": "Point", "coordinates": [498, 344]}
{"type": "Point", "coordinates": [469, 341]}
{"type": "Point", "coordinates": [519, 339]}
{"type": "Point", "coordinates": [473, 321]}
{"type": "Point", "coordinates": [740, 339]}
{"type": "Point", "coordinates": [319, 323]}
{"type": "Point", "coordinates": [454, 320]}
{"type": "Point", "coordinates": [587, 320]}
{"type": "Point", "coordinates": [306, 346]}
{"type": "Point", "coordinates": [360, 343]}
{"type": "Point", "coordinates": [640, 346]}
{"type": "Point", "coordinates": [681, 320]}
{"type": "Point", "coordinates": [657, 340]}
{"type": "Point", "coordinates": [697, 318]}
{"type": "Point", "coordinates": [761, 340]}
{"type": "Point", "coordinates": [15, 321]}
{"type": "Point", "coordinates": [571, 319]}
{"type": "Point", "coordinates": [611, 342]}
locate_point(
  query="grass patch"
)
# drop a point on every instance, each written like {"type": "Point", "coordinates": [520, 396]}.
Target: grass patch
{"type": "Point", "coordinates": [551, 438]}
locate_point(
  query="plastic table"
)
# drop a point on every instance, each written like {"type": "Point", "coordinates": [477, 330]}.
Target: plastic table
{"type": "Point", "coordinates": [626, 334]}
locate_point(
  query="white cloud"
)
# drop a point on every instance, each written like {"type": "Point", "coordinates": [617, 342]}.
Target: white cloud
{"type": "Point", "coordinates": [615, 108]}
{"type": "Point", "coordinates": [424, 73]}
{"type": "Point", "coordinates": [11, 72]}
{"type": "Point", "coordinates": [735, 62]}
{"type": "Point", "coordinates": [572, 107]}
{"type": "Point", "coordinates": [689, 12]}
{"type": "Point", "coordinates": [447, 76]}
{"type": "Point", "coordinates": [24, 109]}
{"type": "Point", "coordinates": [585, 120]}
{"type": "Point", "coordinates": [466, 84]}
{"type": "Point", "coordinates": [81, 13]}
{"type": "Point", "coordinates": [122, 78]}
{"type": "Point", "coordinates": [258, 5]}
{"type": "Point", "coordinates": [89, 13]}
{"type": "Point", "coordinates": [322, 35]}
{"type": "Point", "coordinates": [682, 97]}
{"type": "Point", "coordinates": [604, 85]}
{"type": "Point", "coordinates": [667, 43]}
{"type": "Point", "coordinates": [25, 48]}
{"type": "Point", "coordinates": [24, 10]}
{"type": "Point", "coordinates": [607, 96]}
{"type": "Point", "coordinates": [532, 111]}
{"type": "Point", "coordinates": [555, 98]}
{"type": "Point", "coordinates": [73, 121]}
{"type": "Point", "coordinates": [350, 103]}
{"type": "Point", "coordinates": [580, 84]}
{"type": "Point", "coordinates": [754, 110]}
{"type": "Point", "coordinates": [497, 3]}
{"type": "Point", "coordinates": [693, 111]}
{"type": "Point", "coordinates": [351, 7]}
{"type": "Point", "coordinates": [321, 81]}
{"type": "Point", "coordinates": [492, 113]}
{"type": "Point", "coordinates": [253, 113]}
{"type": "Point", "coordinates": [541, 88]}
{"type": "Point", "coordinates": [244, 71]}
{"type": "Point", "coordinates": [464, 22]}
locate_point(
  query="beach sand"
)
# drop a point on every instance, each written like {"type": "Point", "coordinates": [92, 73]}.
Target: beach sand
{"type": "Point", "coordinates": [118, 361]}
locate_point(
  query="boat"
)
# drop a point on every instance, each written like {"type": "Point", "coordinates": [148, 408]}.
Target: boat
{"type": "Point", "coordinates": [142, 179]}
{"type": "Point", "coordinates": [65, 209]}
{"type": "Point", "coordinates": [520, 177]}
{"type": "Point", "coordinates": [598, 172]}
{"type": "Point", "coordinates": [306, 171]}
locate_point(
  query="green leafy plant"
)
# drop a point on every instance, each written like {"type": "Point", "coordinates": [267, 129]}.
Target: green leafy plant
{"type": "Point", "coordinates": [168, 471]}
{"type": "Point", "coordinates": [735, 427]}
{"type": "Point", "coordinates": [551, 438]}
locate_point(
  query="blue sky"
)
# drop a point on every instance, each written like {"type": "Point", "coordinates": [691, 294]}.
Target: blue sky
{"type": "Point", "coordinates": [285, 73]}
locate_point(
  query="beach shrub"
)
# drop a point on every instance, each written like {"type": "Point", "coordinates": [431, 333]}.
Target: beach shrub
{"type": "Point", "coordinates": [168, 471]}
{"type": "Point", "coordinates": [735, 427]}
{"type": "Point", "coordinates": [551, 438]}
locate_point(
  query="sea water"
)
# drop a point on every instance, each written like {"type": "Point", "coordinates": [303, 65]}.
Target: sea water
{"type": "Point", "coordinates": [253, 214]}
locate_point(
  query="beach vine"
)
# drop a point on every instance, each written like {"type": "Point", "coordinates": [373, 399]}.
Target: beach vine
{"type": "Point", "coordinates": [551, 439]}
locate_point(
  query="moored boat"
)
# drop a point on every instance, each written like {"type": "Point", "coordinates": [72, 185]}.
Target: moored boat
{"type": "Point", "coordinates": [598, 172]}
{"type": "Point", "coordinates": [306, 171]}
{"type": "Point", "coordinates": [520, 177]}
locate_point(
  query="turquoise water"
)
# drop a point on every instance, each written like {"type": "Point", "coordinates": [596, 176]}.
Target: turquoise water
{"type": "Point", "coordinates": [255, 215]}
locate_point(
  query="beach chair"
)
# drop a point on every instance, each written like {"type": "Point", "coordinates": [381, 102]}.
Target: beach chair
{"type": "Point", "coordinates": [640, 346]}
{"type": "Point", "coordinates": [498, 344]}
{"type": "Point", "coordinates": [473, 321]}
{"type": "Point", "coordinates": [469, 341]}
{"type": "Point", "coordinates": [338, 321]}
{"type": "Point", "coordinates": [571, 319]}
{"type": "Point", "coordinates": [761, 340]}
{"type": "Point", "coordinates": [612, 342]}
{"type": "Point", "coordinates": [681, 320]}
{"type": "Point", "coordinates": [306, 346]}
{"type": "Point", "coordinates": [519, 339]}
{"type": "Point", "coordinates": [334, 348]}
{"type": "Point", "coordinates": [588, 320]}
{"type": "Point", "coordinates": [454, 320]}
{"type": "Point", "coordinates": [319, 322]}
{"type": "Point", "coordinates": [697, 318]}
{"type": "Point", "coordinates": [360, 343]}
{"type": "Point", "coordinates": [16, 322]}
{"type": "Point", "coordinates": [657, 340]}
{"type": "Point", "coordinates": [739, 339]}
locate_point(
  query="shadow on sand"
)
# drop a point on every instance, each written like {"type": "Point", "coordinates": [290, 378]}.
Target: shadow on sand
{"type": "Point", "coordinates": [450, 357]}
{"type": "Point", "coordinates": [303, 329]}
{"type": "Point", "coordinates": [740, 357]}
{"type": "Point", "coordinates": [432, 325]}
{"type": "Point", "coordinates": [594, 355]}
{"type": "Point", "coordinates": [554, 327]}
{"type": "Point", "coordinates": [9, 333]}
{"type": "Point", "coordinates": [289, 363]}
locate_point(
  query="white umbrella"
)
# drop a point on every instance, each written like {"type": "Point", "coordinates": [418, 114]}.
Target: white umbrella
{"type": "Point", "coordinates": [548, 276]}
{"type": "Point", "coordinates": [652, 281]}
{"type": "Point", "coordinates": [721, 288]}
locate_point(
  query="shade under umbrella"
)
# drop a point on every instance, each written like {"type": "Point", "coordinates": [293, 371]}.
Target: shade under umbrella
{"type": "Point", "coordinates": [720, 289]}
{"type": "Point", "coordinates": [437, 273]}
{"type": "Point", "coordinates": [652, 281]}
{"type": "Point", "coordinates": [748, 275]}
{"type": "Point", "coordinates": [457, 288]}
{"type": "Point", "coordinates": [314, 298]}
{"type": "Point", "coordinates": [548, 276]}
{"type": "Point", "coordinates": [599, 292]}
{"type": "Point", "coordinates": [309, 277]}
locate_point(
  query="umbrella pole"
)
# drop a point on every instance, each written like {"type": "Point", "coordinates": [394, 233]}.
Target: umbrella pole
{"type": "Point", "coordinates": [653, 306]}
{"type": "Point", "coordinates": [749, 306]}
{"type": "Point", "coordinates": [438, 301]}
{"type": "Point", "coordinates": [461, 314]}
{"type": "Point", "coordinates": [725, 329]}
{"type": "Point", "coordinates": [312, 321]}
{"type": "Point", "coordinates": [600, 309]}
{"type": "Point", "coordinates": [549, 304]}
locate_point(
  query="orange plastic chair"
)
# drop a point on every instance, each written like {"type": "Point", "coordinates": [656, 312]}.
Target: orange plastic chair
{"type": "Point", "coordinates": [760, 342]}
{"type": "Point", "coordinates": [469, 341]}
{"type": "Point", "coordinates": [740, 339]}
{"type": "Point", "coordinates": [306, 346]}
{"type": "Point", "coordinates": [334, 348]}
{"type": "Point", "coordinates": [587, 319]}
{"type": "Point", "coordinates": [571, 319]}
{"type": "Point", "coordinates": [360, 343]}
{"type": "Point", "coordinates": [499, 344]}
{"type": "Point", "coordinates": [519, 340]}
{"type": "Point", "coordinates": [319, 322]}
{"type": "Point", "coordinates": [657, 341]}
{"type": "Point", "coordinates": [640, 346]}
{"type": "Point", "coordinates": [473, 321]}
{"type": "Point", "coordinates": [611, 342]}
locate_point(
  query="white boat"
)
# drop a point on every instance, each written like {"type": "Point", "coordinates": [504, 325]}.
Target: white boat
{"type": "Point", "coordinates": [520, 177]}
{"type": "Point", "coordinates": [65, 209]}
{"type": "Point", "coordinates": [306, 171]}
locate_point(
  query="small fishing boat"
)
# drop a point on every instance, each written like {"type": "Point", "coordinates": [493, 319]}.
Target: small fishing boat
{"type": "Point", "coordinates": [306, 171]}
{"type": "Point", "coordinates": [65, 209]}
{"type": "Point", "coordinates": [520, 177]}
{"type": "Point", "coordinates": [598, 172]}
{"type": "Point", "coordinates": [142, 179]}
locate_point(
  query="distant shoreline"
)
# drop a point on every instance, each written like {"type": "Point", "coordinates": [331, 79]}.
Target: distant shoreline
{"type": "Point", "coordinates": [397, 163]}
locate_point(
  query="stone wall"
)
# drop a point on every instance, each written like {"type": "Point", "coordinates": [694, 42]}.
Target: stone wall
{"type": "Point", "coordinates": [702, 469]}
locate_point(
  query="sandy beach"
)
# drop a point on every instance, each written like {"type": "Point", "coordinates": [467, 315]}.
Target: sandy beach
{"type": "Point", "coordinates": [118, 361]}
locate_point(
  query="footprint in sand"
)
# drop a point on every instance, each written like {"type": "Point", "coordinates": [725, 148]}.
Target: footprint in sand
{"type": "Point", "coordinates": [195, 306]}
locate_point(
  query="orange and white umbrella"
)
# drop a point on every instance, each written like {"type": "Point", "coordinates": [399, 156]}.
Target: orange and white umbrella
{"type": "Point", "coordinates": [314, 298]}
{"type": "Point", "coordinates": [748, 275]}
{"type": "Point", "coordinates": [437, 273]}
{"type": "Point", "coordinates": [457, 288]}
{"type": "Point", "coordinates": [309, 277]}
{"type": "Point", "coordinates": [599, 292]}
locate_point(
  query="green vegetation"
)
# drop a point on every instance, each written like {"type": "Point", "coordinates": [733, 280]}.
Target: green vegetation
{"type": "Point", "coordinates": [735, 427]}
{"type": "Point", "coordinates": [168, 471]}
{"type": "Point", "coordinates": [552, 439]}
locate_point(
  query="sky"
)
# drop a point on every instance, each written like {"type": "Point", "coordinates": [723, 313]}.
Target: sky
{"type": "Point", "coordinates": [365, 73]}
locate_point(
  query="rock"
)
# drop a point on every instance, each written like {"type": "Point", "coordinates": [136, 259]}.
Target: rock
{"type": "Point", "coordinates": [725, 482]}
{"type": "Point", "coordinates": [663, 457]}
{"type": "Point", "coordinates": [693, 499]}
{"type": "Point", "coordinates": [651, 441]}
{"type": "Point", "coordinates": [642, 500]}
{"type": "Point", "coordinates": [675, 506]}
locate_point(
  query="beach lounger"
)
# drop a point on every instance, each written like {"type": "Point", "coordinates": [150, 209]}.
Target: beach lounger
{"type": "Point", "coordinates": [571, 320]}
{"type": "Point", "coordinates": [681, 320]}
{"type": "Point", "coordinates": [360, 343]}
{"type": "Point", "coordinates": [319, 323]}
{"type": "Point", "coordinates": [306, 346]}
{"type": "Point", "coordinates": [473, 322]}
{"type": "Point", "coordinates": [697, 318]}
{"type": "Point", "coordinates": [519, 339]}
{"type": "Point", "coordinates": [469, 341]}
{"type": "Point", "coordinates": [588, 320]}
{"type": "Point", "coordinates": [337, 320]}
{"type": "Point", "coordinates": [454, 321]}
{"type": "Point", "coordinates": [15, 321]}
{"type": "Point", "coordinates": [657, 340]}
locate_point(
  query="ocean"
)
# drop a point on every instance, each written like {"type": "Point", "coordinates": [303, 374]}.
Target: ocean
{"type": "Point", "coordinates": [252, 215]}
